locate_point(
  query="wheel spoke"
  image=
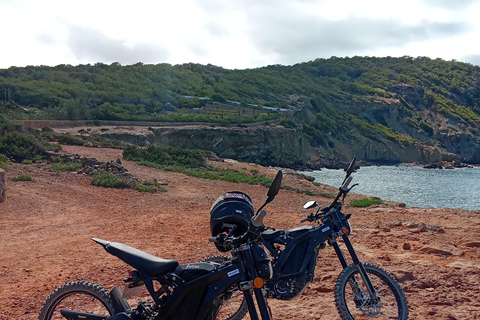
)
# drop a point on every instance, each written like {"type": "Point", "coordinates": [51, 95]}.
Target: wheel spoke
{"type": "Point", "coordinates": [354, 301]}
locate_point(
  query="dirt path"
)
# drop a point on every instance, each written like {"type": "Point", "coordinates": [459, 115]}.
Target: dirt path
{"type": "Point", "coordinates": [46, 226]}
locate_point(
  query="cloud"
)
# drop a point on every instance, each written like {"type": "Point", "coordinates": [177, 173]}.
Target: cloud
{"type": "Point", "coordinates": [300, 38]}
{"type": "Point", "coordinates": [457, 5]}
{"type": "Point", "coordinates": [473, 59]}
{"type": "Point", "coordinates": [89, 45]}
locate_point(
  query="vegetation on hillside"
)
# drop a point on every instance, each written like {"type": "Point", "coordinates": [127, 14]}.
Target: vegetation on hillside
{"type": "Point", "coordinates": [165, 92]}
{"type": "Point", "coordinates": [19, 144]}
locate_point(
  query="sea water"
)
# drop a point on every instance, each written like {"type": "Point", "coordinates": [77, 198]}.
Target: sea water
{"type": "Point", "coordinates": [414, 186]}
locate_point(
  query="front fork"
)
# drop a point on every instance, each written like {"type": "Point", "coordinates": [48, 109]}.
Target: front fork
{"type": "Point", "coordinates": [358, 264]}
{"type": "Point", "coordinates": [261, 301]}
{"type": "Point", "coordinates": [247, 285]}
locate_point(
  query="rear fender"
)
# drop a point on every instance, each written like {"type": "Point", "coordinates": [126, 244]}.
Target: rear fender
{"type": "Point", "coordinates": [120, 304]}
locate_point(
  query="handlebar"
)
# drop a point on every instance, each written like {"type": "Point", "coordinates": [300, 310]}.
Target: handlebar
{"type": "Point", "coordinates": [346, 183]}
{"type": "Point", "coordinates": [212, 239]}
{"type": "Point", "coordinates": [257, 221]}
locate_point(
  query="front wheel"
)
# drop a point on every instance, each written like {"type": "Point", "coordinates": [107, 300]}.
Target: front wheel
{"type": "Point", "coordinates": [78, 296]}
{"type": "Point", "coordinates": [354, 302]}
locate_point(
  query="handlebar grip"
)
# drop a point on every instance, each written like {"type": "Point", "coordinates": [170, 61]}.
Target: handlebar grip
{"type": "Point", "coordinates": [257, 221]}
{"type": "Point", "coordinates": [212, 239]}
{"type": "Point", "coordinates": [304, 220]}
{"type": "Point", "coordinates": [347, 182]}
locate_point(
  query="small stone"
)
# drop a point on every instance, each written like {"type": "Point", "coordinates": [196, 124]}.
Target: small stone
{"type": "Point", "coordinates": [474, 244]}
{"type": "Point", "coordinates": [410, 224]}
{"type": "Point", "coordinates": [444, 250]}
{"type": "Point", "coordinates": [407, 246]}
{"type": "Point", "coordinates": [132, 183]}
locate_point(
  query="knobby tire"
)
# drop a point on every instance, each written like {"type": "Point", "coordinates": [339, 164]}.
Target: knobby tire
{"type": "Point", "coordinates": [353, 300]}
{"type": "Point", "coordinates": [81, 296]}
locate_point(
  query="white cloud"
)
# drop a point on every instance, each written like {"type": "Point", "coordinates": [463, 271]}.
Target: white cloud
{"type": "Point", "coordinates": [234, 34]}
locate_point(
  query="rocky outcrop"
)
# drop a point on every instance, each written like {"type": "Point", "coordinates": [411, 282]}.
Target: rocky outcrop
{"type": "Point", "coordinates": [265, 145]}
{"type": "Point", "coordinates": [2, 185]}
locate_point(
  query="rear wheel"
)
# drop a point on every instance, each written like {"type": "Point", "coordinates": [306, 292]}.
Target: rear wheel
{"type": "Point", "coordinates": [232, 305]}
{"type": "Point", "coordinates": [353, 299]}
{"type": "Point", "coordinates": [78, 296]}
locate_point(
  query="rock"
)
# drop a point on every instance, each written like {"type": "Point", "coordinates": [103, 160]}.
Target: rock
{"type": "Point", "coordinates": [88, 144]}
{"type": "Point", "coordinates": [474, 244]}
{"type": "Point", "coordinates": [2, 185]}
{"type": "Point", "coordinates": [403, 275]}
{"type": "Point", "coordinates": [433, 166]}
{"type": "Point", "coordinates": [132, 183]}
{"type": "Point", "coordinates": [87, 170]}
{"type": "Point", "coordinates": [410, 224]}
{"type": "Point", "coordinates": [395, 223]}
{"type": "Point", "coordinates": [407, 246]}
{"type": "Point", "coordinates": [445, 250]}
{"type": "Point", "coordinates": [402, 205]}
{"type": "Point", "coordinates": [464, 264]}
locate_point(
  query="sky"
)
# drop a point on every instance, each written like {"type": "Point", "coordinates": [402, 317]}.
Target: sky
{"type": "Point", "coordinates": [236, 34]}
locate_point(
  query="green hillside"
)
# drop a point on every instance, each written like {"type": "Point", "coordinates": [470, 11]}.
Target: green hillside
{"type": "Point", "coordinates": [335, 103]}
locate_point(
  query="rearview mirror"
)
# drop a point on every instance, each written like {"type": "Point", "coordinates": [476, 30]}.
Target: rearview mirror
{"type": "Point", "coordinates": [275, 187]}
{"type": "Point", "coordinates": [351, 167]}
{"type": "Point", "coordinates": [310, 204]}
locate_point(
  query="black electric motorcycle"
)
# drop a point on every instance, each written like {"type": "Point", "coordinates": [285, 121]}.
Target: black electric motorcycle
{"type": "Point", "coordinates": [362, 290]}
{"type": "Point", "coordinates": [195, 291]}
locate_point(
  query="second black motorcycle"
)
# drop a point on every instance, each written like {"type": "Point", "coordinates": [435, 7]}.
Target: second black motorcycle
{"type": "Point", "coordinates": [362, 290]}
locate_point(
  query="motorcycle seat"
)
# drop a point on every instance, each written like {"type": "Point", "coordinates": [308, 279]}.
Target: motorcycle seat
{"type": "Point", "coordinates": [144, 262]}
{"type": "Point", "coordinates": [270, 234]}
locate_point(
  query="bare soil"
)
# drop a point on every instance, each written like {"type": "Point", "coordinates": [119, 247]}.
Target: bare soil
{"type": "Point", "coordinates": [46, 226]}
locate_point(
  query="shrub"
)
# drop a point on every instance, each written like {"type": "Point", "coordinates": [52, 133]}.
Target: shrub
{"type": "Point", "coordinates": [57, 159]}
{"type": "Point", "coordinates": [3, 162]}
{"type": "Point", "coordinates": [19, 146]}
{"type": "Point", "coordinates": [69, 166]}
{"type": "Point", "coordinates": [366, 202]}
{"type": "Point", "coordinates": [22, 178]}
{"type": "Point", "coordinates": [166, 156]}
{"type": "Point", "coordinates": [143, 188]}
{"type": "Point", "coordinates": [109, 180]}
{"type": "Point", "coordinates": [70, 140]}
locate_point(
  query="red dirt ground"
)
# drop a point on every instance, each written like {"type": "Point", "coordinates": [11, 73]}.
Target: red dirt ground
{"type": "Point", "coordinates": [46, 226]}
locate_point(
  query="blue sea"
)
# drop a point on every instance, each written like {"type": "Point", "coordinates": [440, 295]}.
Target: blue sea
{"type": "Point", "coordinates": [414, 186]}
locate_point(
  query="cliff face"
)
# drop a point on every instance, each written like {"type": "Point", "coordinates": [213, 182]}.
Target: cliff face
{"type": "Point", "coordinates": [265, 145]}
{"type": "Point", "coordinates": [417, 133]}
{"type": "Point", "coordinates": [391, 130]}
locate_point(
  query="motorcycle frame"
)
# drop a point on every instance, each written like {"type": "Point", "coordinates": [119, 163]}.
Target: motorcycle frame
{"type": "Point", "coordinates": [316, 236]}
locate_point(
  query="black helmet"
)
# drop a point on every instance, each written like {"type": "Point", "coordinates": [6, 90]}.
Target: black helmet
{"type": "Point", "coordinates": [231, 208]}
